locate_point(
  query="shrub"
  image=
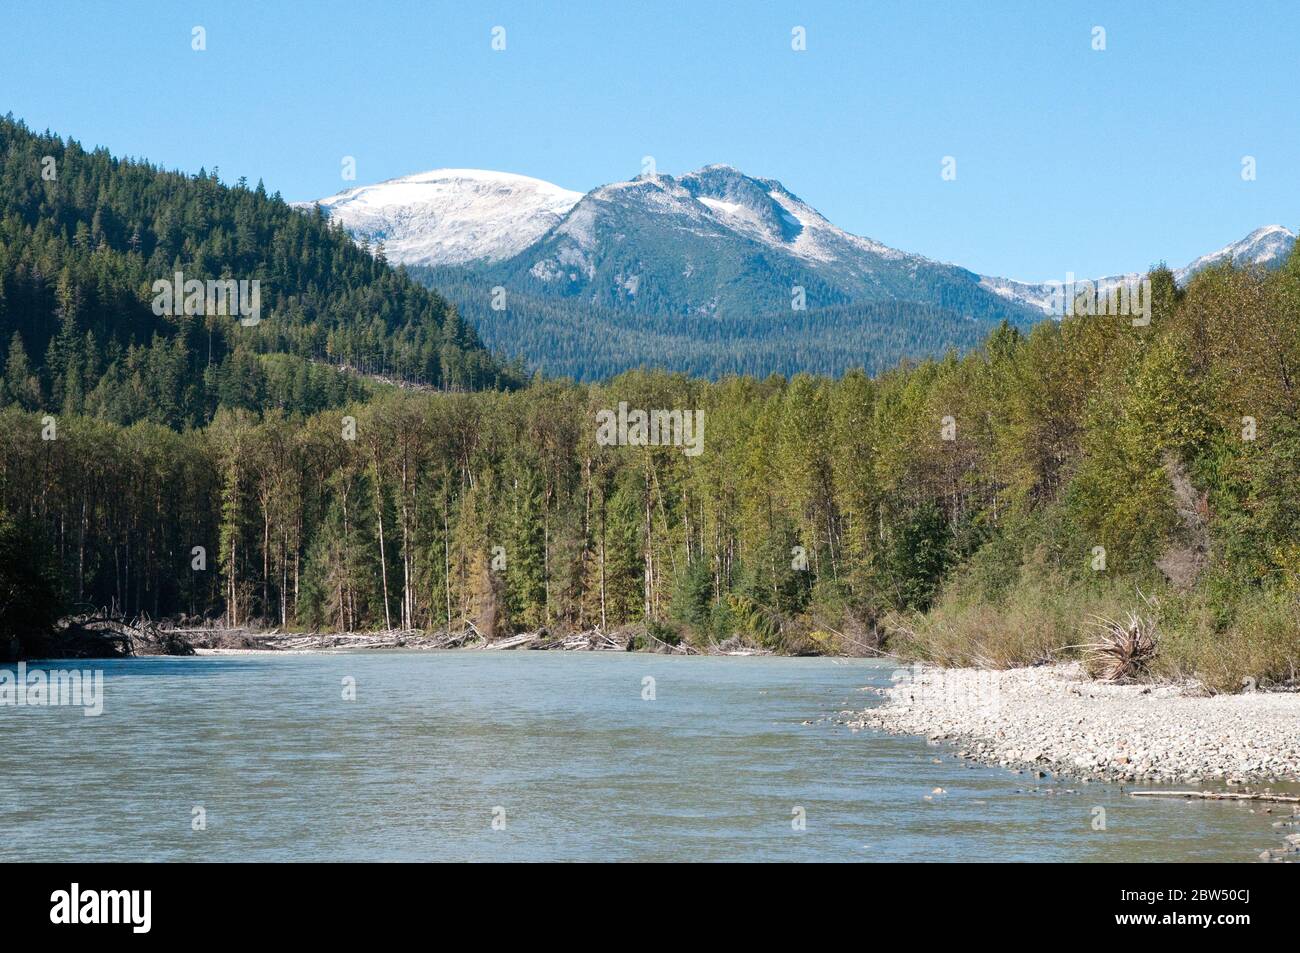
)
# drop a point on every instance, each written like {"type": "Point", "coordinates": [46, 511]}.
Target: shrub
{"type": "Point", "coordinates": [1038, 621]}
{"type": "Point", "coordinates": [1251, 641]}
{"type": "Point", "coordinates": [1123, 650]}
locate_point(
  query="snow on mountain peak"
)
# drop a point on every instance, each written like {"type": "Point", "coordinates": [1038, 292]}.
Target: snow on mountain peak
{"type": "Point", "coordinates": [464, 216]}
{"type": "Point", "coordinates": [1263, 246]}
{"type": "Point", "coordinates": [451, 216]}
{"type": "Point", "coordinates": [766, 210]}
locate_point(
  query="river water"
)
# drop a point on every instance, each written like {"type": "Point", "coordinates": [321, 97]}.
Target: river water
{"type": "Point", "coordinates": [540, 756]}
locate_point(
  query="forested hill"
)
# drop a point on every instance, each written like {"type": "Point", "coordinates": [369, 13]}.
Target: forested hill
{"type": "Point", "coordinates": [590, 342]}
{"type": "Point", "coordinates": [83, 238]}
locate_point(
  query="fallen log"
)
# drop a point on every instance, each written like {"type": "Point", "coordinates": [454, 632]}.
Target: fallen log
{"type": "Point", "coordinates": [513, 642]}
{"type": "Point", "coordinates": [681, 648]}
{"type": "Point", "coordinates": [1220, 796]}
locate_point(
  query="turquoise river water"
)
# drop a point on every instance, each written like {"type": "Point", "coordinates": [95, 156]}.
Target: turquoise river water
{"type": "Point", "coordinates": [539, 756]}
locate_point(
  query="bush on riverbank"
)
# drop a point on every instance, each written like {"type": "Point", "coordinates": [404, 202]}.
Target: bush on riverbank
{"type": "Point", "coordinates": [1249, 640]}
{"type": "Point", "coordinates": [1032, 624]}
{"type": "Point", "coordinates": [1230, 639]}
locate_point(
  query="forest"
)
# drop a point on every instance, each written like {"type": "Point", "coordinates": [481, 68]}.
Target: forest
{"type": "Point", "coordinates": [575, 337]}
{"type": "Point", "coordinates": [359, 461]}
{"type": "Point", "coordinates": [84, 235]}
{"type": "Point", "coordinates": [957, 506]}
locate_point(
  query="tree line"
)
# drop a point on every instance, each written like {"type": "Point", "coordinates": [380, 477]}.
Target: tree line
{"type": "Point", "coordinates": [358, 460]}
{"type": "Point", "coordinates": [820, 510]}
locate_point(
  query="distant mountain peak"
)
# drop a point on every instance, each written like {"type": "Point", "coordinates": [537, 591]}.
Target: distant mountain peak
{"type": "Point", "coordinates": [1268, 246]}
{"type": "Point", "coordinates": [666, 237]}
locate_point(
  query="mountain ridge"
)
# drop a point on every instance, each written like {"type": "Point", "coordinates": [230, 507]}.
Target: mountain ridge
{"type": "Point", "coordinates": [711, 272]}
{"type": "Point", "coordinates": [518, 219]}
{"type": "Point", "coordinates": [1266, 246]}
{"type": "Point", "coordinates": [714, 241]}
{"type": "Point", "coordinates": [81, 255]}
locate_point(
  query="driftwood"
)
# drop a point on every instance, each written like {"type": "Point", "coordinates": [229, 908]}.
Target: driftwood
{"type": "Point", "coordinates": [107, 635]}
{"type": "Point", "coordinates": [222, 637]}
{"type": "Point", "coordinates": [514, 641]}
{"type": "Point", "coordinates": [592, 640]}
{"type": "Point", "coordinates": [1220, 796]}
{"type": "Point", "coordinates": [680, 648]}
{"type": "Point", "coordinates": [455, 640]}
{"type": "Point", "coordinates": [738, 645]}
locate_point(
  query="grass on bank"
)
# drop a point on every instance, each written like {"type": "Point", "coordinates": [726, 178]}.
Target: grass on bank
{"type": "Point", "coordinates": [1228, 639]}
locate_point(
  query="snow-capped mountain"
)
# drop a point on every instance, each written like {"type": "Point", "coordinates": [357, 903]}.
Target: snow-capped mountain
{"type": "Point", "coordinates": [451, 216]}
{"type": "Point", "coordinates": [1268, 247]}
{"type": "Point", "coordinates": [719, 243]}
{"type": "Point", "coordinates": [1048, 296]}
{"type": "Point", "coordinates": [714, 242]}
{"type": "Point", "coordinates": [718, 203]}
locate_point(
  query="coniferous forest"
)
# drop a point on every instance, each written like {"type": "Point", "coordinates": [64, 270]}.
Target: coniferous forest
{"type": "Point", "coordinates": [83, 238]}
{"type": "Point", "coordinates": [588, 342]}
{"type": "Point", "coordinates": [357, 460]}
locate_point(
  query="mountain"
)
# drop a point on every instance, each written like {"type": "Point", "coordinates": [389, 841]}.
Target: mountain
{"type": "Point", "coordinates": [703, 272]}
{"type": "Point", "coordinates": [712, 272]}
{"type": "Point", "coordinates": [1267, 247]}
{"type": "Point", "coordinates": [717, 242]}
{"type": "Point", "coordinates": [712, 242]}
{"type": "Point", "coordinates": [451, 216]}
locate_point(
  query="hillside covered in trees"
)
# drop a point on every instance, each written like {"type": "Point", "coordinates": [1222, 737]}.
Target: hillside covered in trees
{"type": "Point", "coordinates": [83, 237]}
{"type": "Point", "coordinates": [576, 338]}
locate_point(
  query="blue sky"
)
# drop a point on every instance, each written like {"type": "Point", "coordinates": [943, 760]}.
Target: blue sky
{"type": "Point", "coordinates": [1068, 159]}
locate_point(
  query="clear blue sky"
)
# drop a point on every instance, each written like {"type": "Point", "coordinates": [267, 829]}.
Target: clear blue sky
{"type": "Point", "coordinates": [1067, 159]}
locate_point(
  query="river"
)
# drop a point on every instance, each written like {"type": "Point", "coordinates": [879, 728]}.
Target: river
{"type": "Point", "coordinates": [540, 756]}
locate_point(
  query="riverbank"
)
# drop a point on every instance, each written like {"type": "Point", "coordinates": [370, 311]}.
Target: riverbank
{"type": "Point", "coordinates": [1054, 719]}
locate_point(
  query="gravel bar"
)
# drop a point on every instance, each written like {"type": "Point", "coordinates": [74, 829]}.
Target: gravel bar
{"type": "Point", "coordinates": [1053, 718]}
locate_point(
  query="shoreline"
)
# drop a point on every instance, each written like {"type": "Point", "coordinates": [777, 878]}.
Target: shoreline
{"type": "Point", "coordinates": [1054, 719]}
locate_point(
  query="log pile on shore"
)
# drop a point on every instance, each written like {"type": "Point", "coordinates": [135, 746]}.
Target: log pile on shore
{"type": "Point", "coordinates": [104, 635]}
{"type": "Point", "coordinates": [211, 639]}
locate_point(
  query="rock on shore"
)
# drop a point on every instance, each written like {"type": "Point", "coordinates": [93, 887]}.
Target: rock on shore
{"type": "Point", "coordinates": [1054, 718]}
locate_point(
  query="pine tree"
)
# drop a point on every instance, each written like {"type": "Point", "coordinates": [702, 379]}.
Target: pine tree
{"type": "Point", "coordinates": [20, 384]}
